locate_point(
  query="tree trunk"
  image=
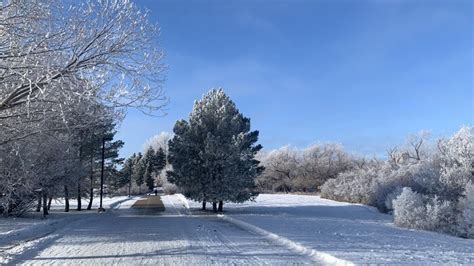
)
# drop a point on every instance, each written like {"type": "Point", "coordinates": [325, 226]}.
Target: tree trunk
{"type": "Point", "coordinates": [79, 200]}
{"type": "Point", "coordinates": [91, 198]}
{"type": "Point", "coordinates": [221, 205]}
{"type": "Point", "coordinates": [38, 206]}
{"type": "Point", "coordinates": [89, 206]}
{"type": "Point", "coordinates": [214, 206]}
{"type": "Point", "coordinates": [203, 205]}
{"type": "Point", "coordinates": [66, 198]}
{"type": "Point", "coordinates": [45, 205]}
{"type": "Point", "coordinates": [49, 202]}
{"type": "Point", "coordinates": [10, 206]}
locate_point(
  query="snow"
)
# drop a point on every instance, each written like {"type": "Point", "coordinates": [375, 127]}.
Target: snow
{"type": "Point", "coordinates": [107, 202]}
{"type": "Point", "coordinates": [350, 232]}
{"type": "Point", "coordinates": [317, 257]}
{"type": "Point", "coordinates": [17, 234]}
{"type": "Point", "coordinates": [275, 229]}
{"type": "Point", "coordinates": [174, 237]}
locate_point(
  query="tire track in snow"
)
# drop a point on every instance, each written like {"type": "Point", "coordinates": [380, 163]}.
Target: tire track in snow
{"type": "Point", "coordinates": [316, 256]}
{"type": "Point", "coordinates": [214, 235]}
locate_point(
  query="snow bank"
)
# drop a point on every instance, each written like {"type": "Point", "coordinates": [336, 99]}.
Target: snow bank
{"type": "Point", "coordinates": [107, 202]}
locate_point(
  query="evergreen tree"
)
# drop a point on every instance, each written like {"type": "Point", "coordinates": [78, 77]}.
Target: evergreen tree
{"type": "Point", "coordinates": [127, 173]}
{"type": "Point", "coordinates": [139, 168]}
{"type": "Point", "coordinates": [159, 160]}
{"type": "Point", "coordinates": [154, 163]}
{"type": "Point", "coordinates": [213, 155]}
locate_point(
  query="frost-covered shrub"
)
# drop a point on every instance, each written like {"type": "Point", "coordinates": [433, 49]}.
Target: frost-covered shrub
{"type": "Point", "coordinates": [289, 169]}
{"type": "Point", "coordinates": [391, 196]}
{"type": "Point", "coordinates": [457, 162]}
{"type": "Point", "coordinates": [393, 178]}
{"type": "Point", "coordinates": [162, 180]}
{"type": "Point", "coordinates": [414, 210]}
{"type": "Point", "coordinates": [356, 186]}
{"type": "Point", "coordinates": [170, 189]}
{"type": "Point", "coordinates": [376, 186]}
{"type": "Point", "coordinates": [466, 218]}
{"type": "Point", "coordinates": [409, 209]}
{"type": "Point", "coordinates": [437, 192]}
{"type": "Point", "coordinates": [440, 215]}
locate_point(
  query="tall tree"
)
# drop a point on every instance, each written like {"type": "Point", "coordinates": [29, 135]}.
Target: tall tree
{"type": "Point", "coordinates": [139, 168]}
{"type": "Point", "coordinates": [154, 162]}
{"type": "Point", "coordinates": [66, 67]}
{"type": "Point", "coordinates": [213, 154]}
{"type": "Point", "coordinates": [127, 173]}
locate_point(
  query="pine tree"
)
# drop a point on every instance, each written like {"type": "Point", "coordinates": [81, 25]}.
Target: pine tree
{"type": "Point", "coordinates": [213, 155]}
{"type": "Point", "coordinates": [159, 160]}
{"type": "Point", "coordinates": [139, 169]}
{"type": "Point", "coordinates": [127, 173]}
{"type": "Point", "coordinates": [154, 162]}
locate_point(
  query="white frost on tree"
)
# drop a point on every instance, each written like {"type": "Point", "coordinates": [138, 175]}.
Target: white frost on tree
{"type": "Point", "coordinates": [213, 153]}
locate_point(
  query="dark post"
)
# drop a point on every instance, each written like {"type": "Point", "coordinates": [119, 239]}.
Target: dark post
{"type": "Point", "coordinates": [130, 182]}
{"type": "Point", "coordinates": [101, 209]}
{"type": "Point", "coordinates": [102, 176]}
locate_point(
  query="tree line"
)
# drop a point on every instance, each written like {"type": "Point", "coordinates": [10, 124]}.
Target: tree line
{"type": "Point", "coordinates": [141, 169]}
{"type": "Point", "coordinates": [68, 72]}
{"type": "Point", "coordinates": [426, 185]}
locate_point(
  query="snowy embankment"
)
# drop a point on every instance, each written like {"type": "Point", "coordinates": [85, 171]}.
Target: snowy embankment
{"type": "Point", "coordinates": [17, 234]}
{"type": "Point", "coordinates": [348, 232]}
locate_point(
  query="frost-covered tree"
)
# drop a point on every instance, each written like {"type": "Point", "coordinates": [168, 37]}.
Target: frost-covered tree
{"type": "Point", "coordinates": [46, 45]}
{"type": "Point", "coordinates": [281, 169]}
{"type": "Point", "coordinates": [213, 154]}
{"type": "Point", "coordinates": [466, 218]}
{"type": "Point", "coordinates": [154, 162]}
{"type": "Point", "coordinates": [159, 141]}
{"type": "Point", "coordinates": [457, 162]}
{"type": "Point", "coordinates": [429, 190]}
{"type": "Point", "coordinates": [289, 169]}
{"type": "Point", "coordinates": [67, 69]}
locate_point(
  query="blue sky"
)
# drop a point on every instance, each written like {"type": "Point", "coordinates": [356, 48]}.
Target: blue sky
{"type": "Point", "coordinates": [362, 73]}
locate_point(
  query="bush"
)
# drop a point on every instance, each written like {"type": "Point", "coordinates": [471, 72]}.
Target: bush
{"type": "Point", "coordinates": [466, 218]}
{"type": "Point", "coordinates": [409, 209]}
{"type": "Point", "coordinates": [357, 186]}
{"type": "Point", "coordinates": [170, 189]}
{"type": "Point", "coordinates": [414, 210]}
{"type": "Point", "coordinates": [390, 197]}
{"type": "Point", "coordinates": [440, 215]}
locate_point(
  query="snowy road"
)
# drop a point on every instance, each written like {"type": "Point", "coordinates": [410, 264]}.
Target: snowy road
{"type": "Point", "coordinates": [173, 237]}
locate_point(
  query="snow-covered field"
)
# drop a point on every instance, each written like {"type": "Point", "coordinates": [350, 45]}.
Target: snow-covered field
{"type": "Point", "coordinates": [351, 232]}
{"type": "Point", "coordinates": [275, 229]}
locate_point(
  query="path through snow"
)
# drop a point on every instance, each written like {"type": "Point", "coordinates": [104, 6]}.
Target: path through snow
{"type": "Point", "coordinates": [173, 237]}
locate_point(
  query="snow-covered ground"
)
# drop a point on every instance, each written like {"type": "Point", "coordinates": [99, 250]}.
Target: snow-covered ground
{"type": "Point", "coordinates": [351, 232]}
{"type": "Point", "coordinates": [174, 237]}
{"type": "Point", "coordinates": [17, 234]}
{"type": "Point", "coordinates": [275, 229]}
